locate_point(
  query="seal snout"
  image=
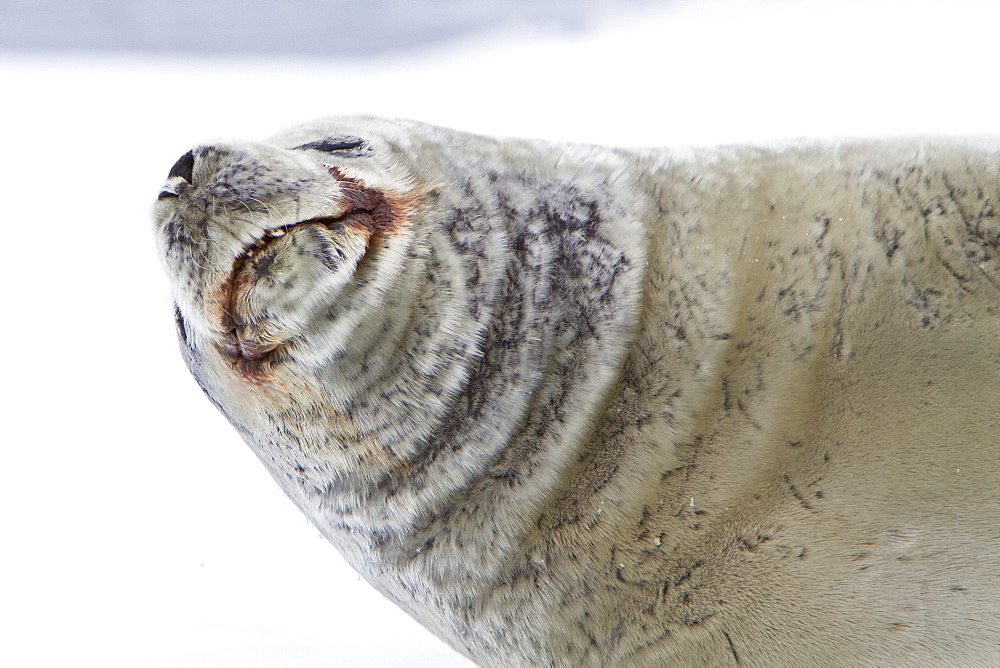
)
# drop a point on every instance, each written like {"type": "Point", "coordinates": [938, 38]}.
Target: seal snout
{"type": "Point", "coordinates": [183, 168]}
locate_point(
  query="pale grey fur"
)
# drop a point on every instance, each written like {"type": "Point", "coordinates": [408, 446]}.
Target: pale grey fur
{"type": "Point", "coordinates": [588, 406]}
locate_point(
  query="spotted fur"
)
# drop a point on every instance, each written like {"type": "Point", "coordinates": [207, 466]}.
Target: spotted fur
{"type": "Point", "coordinates": [570, 405]}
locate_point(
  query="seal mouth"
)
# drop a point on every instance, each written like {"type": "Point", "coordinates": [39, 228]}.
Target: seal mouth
{"type": "Point", "coordinates": [334, 224]}
{"type": "Point", "coordinates": [366, 211]}
{"type": "Point", "coordinates": [254, 262]}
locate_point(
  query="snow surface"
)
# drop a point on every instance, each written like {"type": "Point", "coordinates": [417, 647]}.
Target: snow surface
{"type": "Point", "coordinates": [138, 530]}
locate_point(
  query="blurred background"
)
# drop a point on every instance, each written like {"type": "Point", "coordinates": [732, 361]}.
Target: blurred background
{"type": "Point", "coordinates": [138, 530]}
{"type": "Point", "coordinates": [294, 27]}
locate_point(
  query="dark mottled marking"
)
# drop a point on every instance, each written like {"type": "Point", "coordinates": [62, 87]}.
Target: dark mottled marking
{"type": "Point", "coordinates": [181, 330]}
{"type": "Point", "coordinates": [752, 544]}
{"type": "Point", "coordinates": [262, 263]}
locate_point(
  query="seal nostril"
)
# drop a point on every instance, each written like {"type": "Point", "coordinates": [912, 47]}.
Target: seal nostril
{"type": "Point", "coordinates": [183, 167]}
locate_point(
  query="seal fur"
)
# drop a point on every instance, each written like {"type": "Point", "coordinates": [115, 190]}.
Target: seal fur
{"type": "Point", "coordinates": [572, 405]}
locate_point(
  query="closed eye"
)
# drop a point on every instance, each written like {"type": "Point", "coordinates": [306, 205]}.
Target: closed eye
{"type": "Point", "coordinates": [354, 145]}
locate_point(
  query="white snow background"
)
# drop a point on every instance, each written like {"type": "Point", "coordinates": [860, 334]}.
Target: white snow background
{"type": "Point", "coordinates": [137, 528]}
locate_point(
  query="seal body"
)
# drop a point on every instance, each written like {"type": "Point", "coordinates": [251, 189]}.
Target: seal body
{"type": "Point", "coordinates": [571, 405]}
